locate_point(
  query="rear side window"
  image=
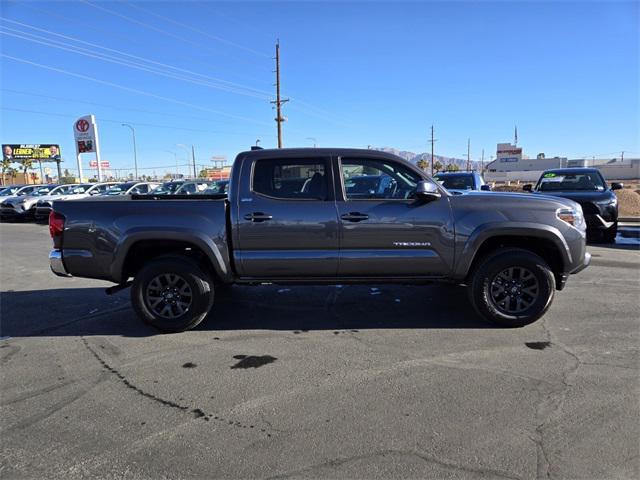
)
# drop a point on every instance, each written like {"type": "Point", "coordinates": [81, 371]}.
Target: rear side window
{"type": "Point", "coordinates": [291, 179]}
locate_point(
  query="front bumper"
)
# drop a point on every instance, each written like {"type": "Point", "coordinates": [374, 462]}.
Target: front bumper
{"type": "Point", "coordinates": [561, 279]}
{"type": "Point", "coordinates": [597, 222]}
{"type": "Point", "coordinates": [56, 263]}
{"type": "Point", "coordinates": [9, 210]}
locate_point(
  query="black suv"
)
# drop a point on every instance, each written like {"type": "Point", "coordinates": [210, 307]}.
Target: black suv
{"type": "Point", "coordinates": [587, 187]}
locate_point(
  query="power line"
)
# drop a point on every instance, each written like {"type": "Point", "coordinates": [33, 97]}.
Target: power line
{"type": "Point", "coordinates": [108, 105]}
{"type": "Point", "coordinates": [129, 89]}
{"type": "Point", "coordinates": [140, 124]}
{"type": "Point", "coordinates": [147, 25]}
{"type": "Point", "coordinates": [181, 70]}
{"type": "Point", "coordinates": [111, 34]}
{"type": "Point", "coordinates": [197, 30]}
{"type": "Point", "coordinates": [127, 63]}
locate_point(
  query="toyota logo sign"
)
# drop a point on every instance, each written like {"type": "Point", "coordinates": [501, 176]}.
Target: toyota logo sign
{"type": "Point", "coordinates": [82, 125]}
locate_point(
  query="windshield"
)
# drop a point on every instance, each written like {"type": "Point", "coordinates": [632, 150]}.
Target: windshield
{"type": "Point", "coordinates": [9, 191]}
{"type": "Point", "coordinates": [455, 182]}
{"type": "Point", "coordinates": [192, 187]}
{"type": "Point", "coordinates": [119, 189]}
{"type": "Point", "coordinates": [217, 187]}
{"type": "Point", "coordinates": [42, 191]}
{"type": "Point", "coordinates": [27, 190]}
{"type": "Point", "coordinates": [167, 188]}
{"type": "Point", "coordinates": [583, 181]}
{"type": "Point", "coordinates": [76, 189]}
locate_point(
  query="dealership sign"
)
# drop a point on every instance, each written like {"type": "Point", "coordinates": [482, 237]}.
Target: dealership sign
{"type": "Point", "coordinates": [103, 164]}
{"type": "Point", "coordinates": [85, 133]}
{"type": "Point", "coordinates": [39, 152]}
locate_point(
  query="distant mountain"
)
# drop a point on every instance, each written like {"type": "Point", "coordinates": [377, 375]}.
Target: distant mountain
{"type": "Point", "coordinates": [415, 157]}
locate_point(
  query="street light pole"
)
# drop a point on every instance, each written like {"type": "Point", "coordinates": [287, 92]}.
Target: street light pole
{"type": "Point", "coordinates": [175, 158]}
{"type": "Point", "coordinates": [135, 150]}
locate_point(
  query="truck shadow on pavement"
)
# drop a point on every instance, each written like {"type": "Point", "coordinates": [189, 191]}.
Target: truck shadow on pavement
{"type": "Point", "coordinates": [88, 311]}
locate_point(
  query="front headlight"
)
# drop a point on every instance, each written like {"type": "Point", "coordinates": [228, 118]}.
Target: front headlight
{"type": "Point", "coordinates": [572, 216]}
{"type": "Point", "coordinates": [609, 202]}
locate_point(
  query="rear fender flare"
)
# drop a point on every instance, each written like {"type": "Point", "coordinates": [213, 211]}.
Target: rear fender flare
{"type": "Point", "coordinates": [200, 240]}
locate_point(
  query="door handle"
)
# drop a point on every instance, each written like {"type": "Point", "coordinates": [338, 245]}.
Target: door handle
{"type": "Point", "coordinates": [354, 216]}
{"type": "Point", "coordinates": [257, 217]}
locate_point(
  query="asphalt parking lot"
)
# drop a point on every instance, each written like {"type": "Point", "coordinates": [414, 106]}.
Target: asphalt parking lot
{"type": "Point", "coordinates": [310, 382]}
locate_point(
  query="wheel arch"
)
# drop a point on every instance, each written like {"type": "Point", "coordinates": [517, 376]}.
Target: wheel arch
{"type": "Point", "coordinates": [543, 240]}
{"type": "Point", "coordinates": [139, 247]}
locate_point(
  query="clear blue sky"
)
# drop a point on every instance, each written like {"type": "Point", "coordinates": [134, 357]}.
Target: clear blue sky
{"type": "Point", "coordinates": [358, 74]}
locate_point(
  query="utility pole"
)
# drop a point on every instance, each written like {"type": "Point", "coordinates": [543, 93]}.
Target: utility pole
{"type": "Point", "coordinates": [278, 101]}
{"type": "Point", "coordinates": [468, 154]}
{"type": "Point", "coordinates": [622, 156]}
{"type": "Point", "coordinates": [482, 163]}
{"type": "Point", "coordinates": [193, 158]}
{"type": "Point", "coordinates": [433, 141]}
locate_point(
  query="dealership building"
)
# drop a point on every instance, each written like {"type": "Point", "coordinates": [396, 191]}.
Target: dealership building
{"type": "Point", "coordinates": [511, 165]}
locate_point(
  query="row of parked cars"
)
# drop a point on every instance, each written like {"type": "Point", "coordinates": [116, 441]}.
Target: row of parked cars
{"type": "Point", "coordinates": [585, 186]}
{"type": "Point", "coordinates": [35, 201]}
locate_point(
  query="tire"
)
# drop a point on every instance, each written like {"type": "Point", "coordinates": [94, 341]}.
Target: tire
{"type": "Point", "coordinates": [490, 288]}
{"type": "Point", "coordinates": [185, 292]}
{"type": "Point", "coordinates": [609, 235]}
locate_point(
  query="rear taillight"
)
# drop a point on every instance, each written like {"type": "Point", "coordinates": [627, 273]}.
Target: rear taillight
{"type": "Point", "coordinates": [56, 227]}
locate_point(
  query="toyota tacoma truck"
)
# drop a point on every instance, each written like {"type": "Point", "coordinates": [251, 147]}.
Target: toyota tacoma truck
{"type": "Point", "coordinates": [292, 216]}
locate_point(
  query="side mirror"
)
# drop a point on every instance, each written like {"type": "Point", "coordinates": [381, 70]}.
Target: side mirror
{"type": "Point", "coordinates": [527, 188]}
{"type": "Point", "coordinates": [427, 191]}
{"type": "Point", "coordinates": [486, 188]}
{"type": "Point", "coordinates": [617, 186]}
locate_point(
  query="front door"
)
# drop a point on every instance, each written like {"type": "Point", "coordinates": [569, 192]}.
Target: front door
{"type": "Point", "coordinates": [287, 220]}
{"type": "Point", "coordinates": [384, 230]}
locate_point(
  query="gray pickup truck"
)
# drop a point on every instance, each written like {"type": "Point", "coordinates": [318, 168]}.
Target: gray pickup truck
{"type": "Point", "coordinates": [294, 216]}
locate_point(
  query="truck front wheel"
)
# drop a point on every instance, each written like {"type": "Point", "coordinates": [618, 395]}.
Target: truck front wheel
{"type": "Point", "coordinates": [512, 287]}
{"type": "Point", "coordinates": [172, 294]}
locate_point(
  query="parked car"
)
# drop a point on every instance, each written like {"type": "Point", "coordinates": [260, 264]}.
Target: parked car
{"type": "Point", "coordinates": [130, 188]}
{"type": "Point", "coordinates": [193, 187]}
{"type": "Point", "coordinates": [22, 204]}
{"type": "Point", "coordinates": [461, 182]}
{"type": "Point", "coordinates": [62, 192]}
{"type": "Point", "coordinates": [512, 251]}
{"type": "Point", "coordinates": [167, 188]}
{"type": "Point", "coordinates": [587, 187]}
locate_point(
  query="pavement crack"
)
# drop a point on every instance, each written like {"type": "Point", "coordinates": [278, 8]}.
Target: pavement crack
{"type": "Point", "coordinates": [550, 407]}
{"type": "Point", "coordinates": [196, 412]}
{"type": "Point", "coordinates": [337, 462]}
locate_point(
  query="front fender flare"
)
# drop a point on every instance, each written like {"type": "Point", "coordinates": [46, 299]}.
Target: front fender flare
{"type": "Point", "coordinates": [508, 229]}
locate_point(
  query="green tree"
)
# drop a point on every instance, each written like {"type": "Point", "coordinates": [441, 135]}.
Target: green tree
{"type": "Point", "coordinates": [6, 165]}
{"type": "Point", "coordinates": [452, 167]}
{"type": "Point", "coordinates": [437, 166]}
{"type": "Point", "coordinates": [203, 174]}
{"type": "Point", "coordinates": [422, 164]}
{"type": "Point", "coordinates": [26, 165]}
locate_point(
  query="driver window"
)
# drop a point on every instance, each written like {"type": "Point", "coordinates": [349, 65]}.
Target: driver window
{"type": "Point", "coordinates": [366, 179]}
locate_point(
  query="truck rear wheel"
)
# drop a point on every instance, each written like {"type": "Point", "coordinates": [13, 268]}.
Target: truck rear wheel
{"type": "Point", "coordinates": [512, 287]}
{"type": "Point", "coordinates": [172, 294]}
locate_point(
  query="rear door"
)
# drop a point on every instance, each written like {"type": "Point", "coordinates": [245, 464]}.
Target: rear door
{"type": "Point", "coordinates": [384, 230]}
{"type": "Point", "coordinates": [287, 224]}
